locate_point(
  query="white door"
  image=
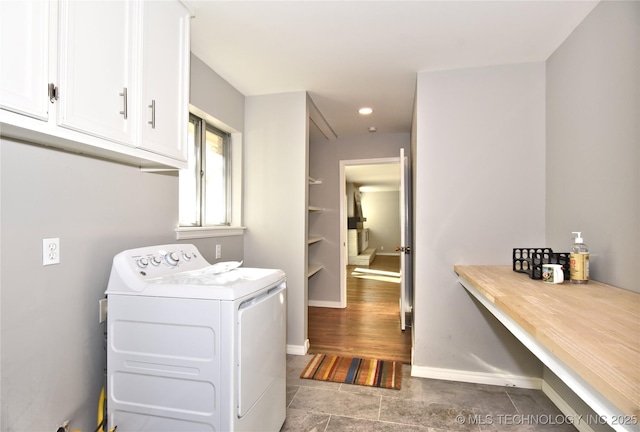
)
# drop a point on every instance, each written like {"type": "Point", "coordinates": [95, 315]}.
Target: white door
{"type": "Point", "coordinates": [96, 68]}
{"type": "Point", "coordinates": [406, 271]}
{"type": "Point", "coordinates": [165, 78]}
{"type": "Point", "coordinates": [24, 36]}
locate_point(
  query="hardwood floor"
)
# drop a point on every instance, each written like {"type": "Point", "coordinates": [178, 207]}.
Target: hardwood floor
{"type": "Point", "coordinates": [370, 325]}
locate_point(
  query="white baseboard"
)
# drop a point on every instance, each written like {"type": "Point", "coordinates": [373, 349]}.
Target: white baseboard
{"type": "Point", "coordinates": [388, 253]}
{"type": "Point", "coordinates": [565, 408]}
{"type": "Point", "coordinates": [327, 304]}
{"type": "Point", "coordinates": [477, 377]}
{"type": "Point", "coordinates": [298, 349]}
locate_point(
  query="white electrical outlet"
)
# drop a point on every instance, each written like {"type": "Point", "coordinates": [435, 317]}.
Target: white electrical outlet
{"type": "Point", "coordinates": [218, 251]}
{"type": "Point", "coordinates": [50, 251]}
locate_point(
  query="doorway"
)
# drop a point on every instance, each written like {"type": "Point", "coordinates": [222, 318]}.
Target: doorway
{"type": "Point", "coordinates": [368, 322]}
{"type": "Point", "coordinates": [326, 298]}
{"type": "Point", "coordinates": [360, 176]}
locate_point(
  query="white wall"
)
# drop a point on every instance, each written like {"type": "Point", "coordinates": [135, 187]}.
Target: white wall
{"type": "Point", "coordinates": [479, 192]}
{"type": "Point", "coordinates": [593, 142]}
{"type": "Point", "coordinates": [275, 197]}
{"type": "Point", "coordinates": [382, 210]}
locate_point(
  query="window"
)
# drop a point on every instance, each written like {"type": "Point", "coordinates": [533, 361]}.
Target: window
{"type": "Point", "coordinates": [205, 185]}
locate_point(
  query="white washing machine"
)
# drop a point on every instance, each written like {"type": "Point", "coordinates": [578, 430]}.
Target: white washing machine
{"type": "Point", "coordinates": [193, 346]}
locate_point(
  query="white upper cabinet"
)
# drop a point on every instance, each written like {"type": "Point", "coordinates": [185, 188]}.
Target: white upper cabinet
{"type": "Point", "coordinates": [24, 44]}
{"type": "Point", "coordinates": [121, 70]}
{"type": "Point", "coordinates": [165, 78]}
{"type": "Point", "coordinates": [96, 68]}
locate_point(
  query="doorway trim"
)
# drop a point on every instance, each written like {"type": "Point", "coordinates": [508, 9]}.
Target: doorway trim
{"type": "Point", "coordinates": [343, 215]}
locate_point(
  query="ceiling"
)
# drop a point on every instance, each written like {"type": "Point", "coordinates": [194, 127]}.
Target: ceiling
{"type": "Point", "coordinates": [348, 54]}
{"type": "Point", "coordinates": [374, 177]}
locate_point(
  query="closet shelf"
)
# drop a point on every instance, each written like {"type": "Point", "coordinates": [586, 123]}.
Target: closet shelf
{"type": "Point", "coordinates": [313, 269]}
{"type": "Point", "coordinates": [314, 239]}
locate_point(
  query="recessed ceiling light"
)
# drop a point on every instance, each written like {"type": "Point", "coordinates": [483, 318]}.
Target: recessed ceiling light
{"type": "Point", "coordinates": [365, 111]}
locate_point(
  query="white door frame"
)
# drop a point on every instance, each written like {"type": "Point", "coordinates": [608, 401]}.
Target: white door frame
{"type": "Point", "coordinates": [343, 216]}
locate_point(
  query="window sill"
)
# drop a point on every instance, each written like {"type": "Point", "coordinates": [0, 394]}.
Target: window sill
{"type": "Point", "coordinates": [186, 233]}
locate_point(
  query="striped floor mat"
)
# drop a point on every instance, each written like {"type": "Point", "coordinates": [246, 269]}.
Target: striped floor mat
{"type": "Point", "coordinates": [348, 370]}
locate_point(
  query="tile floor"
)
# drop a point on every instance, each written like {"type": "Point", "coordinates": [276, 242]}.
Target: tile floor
{"type": "Point", "coordinates": [421, 405]}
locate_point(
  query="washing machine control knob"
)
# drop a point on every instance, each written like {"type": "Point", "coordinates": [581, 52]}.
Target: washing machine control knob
{"type": "Point", "coordinates": [187, 256]}
{"type": "Point", "coordinates": [142, 262]}
{"type": "Point", "coordinates": [156, 260]}
{"type": "Point", "coordinates": [172, 258]}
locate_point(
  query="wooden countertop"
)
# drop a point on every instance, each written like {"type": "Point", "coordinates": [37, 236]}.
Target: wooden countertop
{"type": "Point", "coordinates": [594, 328]}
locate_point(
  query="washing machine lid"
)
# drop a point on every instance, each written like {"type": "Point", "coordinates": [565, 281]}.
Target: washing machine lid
{"type": "Point", "coordinates": [180, 271]}
{"type": "Point", "coordinates": [202, 284]}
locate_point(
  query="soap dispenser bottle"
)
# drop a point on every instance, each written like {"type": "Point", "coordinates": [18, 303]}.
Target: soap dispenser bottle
{"type": "Point", "coordinates": [579, 261]}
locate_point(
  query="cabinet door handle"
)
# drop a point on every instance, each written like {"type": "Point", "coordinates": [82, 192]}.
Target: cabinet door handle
{"type": "Point", "coordinates": [153, 114]}
{"type": "Point", "coordinates": [124, 100]}
{"type": "Point", "coordinates": [54, 94]}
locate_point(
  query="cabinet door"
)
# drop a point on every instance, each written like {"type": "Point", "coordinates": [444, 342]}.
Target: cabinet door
{"type": "Point", "coordinates": [96, 68]}
{"type": "Point", "coordinates": [165, 78]}
{"type": "Point", "coordinates": [24, 43]}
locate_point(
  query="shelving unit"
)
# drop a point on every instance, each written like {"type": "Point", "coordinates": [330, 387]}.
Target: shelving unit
{"type": "Point", "coordinates": [313, 268]}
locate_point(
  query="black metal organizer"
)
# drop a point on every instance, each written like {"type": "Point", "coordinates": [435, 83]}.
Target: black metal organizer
{"type": "Point", "coordinates": [530, 260]}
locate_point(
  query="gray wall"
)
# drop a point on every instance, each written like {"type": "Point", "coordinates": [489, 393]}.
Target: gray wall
{"type": "Point", "coordinates": [593, 149]}
{"type": "Point", "coordinates": [223, 106]}
{"type": "Point", "coordinates": [52, 347]}
{"type": "Point", "coordinates": [209, 92]}
{"type": "Point", "coordinates": [324, 163]}
{"type": "Point", "coordinates": [53, 354]}
{"type": "Point", "coordinates": [275, 197]}
{"type": "Point", "coordinates": [479, 192]}
{"type": "Point", "coordinates": [496, 156]}
{"type": "Point", "coordinates": [593, 142]}
{"type": "Point", "coordinates": [382, 210]}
